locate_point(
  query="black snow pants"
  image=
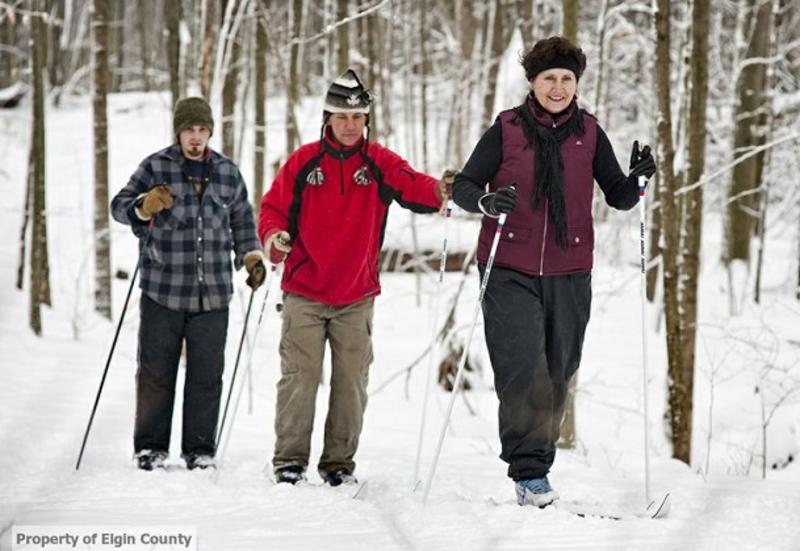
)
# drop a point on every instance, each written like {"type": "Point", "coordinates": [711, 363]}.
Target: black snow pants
{"type": "Point", "coordinates": [161, 335]}
{"type": "Point", "coordinates": [534, 330]}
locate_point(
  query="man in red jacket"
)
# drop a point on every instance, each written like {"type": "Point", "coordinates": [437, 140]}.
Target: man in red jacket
{"type": "Point", "coordinates": [325, 216]}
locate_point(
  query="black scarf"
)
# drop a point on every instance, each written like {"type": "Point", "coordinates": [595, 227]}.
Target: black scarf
{"type": "Point", "coordinates": [549, 166]}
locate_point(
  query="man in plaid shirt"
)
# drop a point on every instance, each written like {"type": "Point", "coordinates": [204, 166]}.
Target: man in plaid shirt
{"type": "Point", "coordinates": [188, 206]}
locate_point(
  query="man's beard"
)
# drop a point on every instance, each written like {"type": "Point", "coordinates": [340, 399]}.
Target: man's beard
{"type": "Point", "coordinates": [194, 151]}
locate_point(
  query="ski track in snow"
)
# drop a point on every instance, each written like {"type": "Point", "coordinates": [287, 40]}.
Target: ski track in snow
{"type": "Point", "coordinates": [48, 384]}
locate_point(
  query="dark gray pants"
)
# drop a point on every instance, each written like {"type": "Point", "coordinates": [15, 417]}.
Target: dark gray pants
{"type": "Point", "coordinates": [534, 330]}
{"type": "Point", "coordinates": [161, 335]}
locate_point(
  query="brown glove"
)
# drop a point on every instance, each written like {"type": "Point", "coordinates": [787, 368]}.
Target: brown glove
{"type": "Point", "coordinates": [444, 189]}
{"type": "Point", "coordinates": [254, 264]}
{"type": "Point", "coordinates": [277, 245]}
{"type": "Point", "coordinates": [155, 200]}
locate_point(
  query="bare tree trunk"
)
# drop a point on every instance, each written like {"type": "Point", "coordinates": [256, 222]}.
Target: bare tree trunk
{"type": "Point", "coordinates": [246, 70]}
{"type": "Point", "coordinates": [761, 234]}
{"type": "Point", "coordinates": [117, 38]}
{"type": "Point", "coordinates": [292, 93]}
{"type": "Point", "coordinates": [54, 65]}
{"type": "Point", "coordinates": [601, 58]}
{"type": "Point", "coordinates": [102, 250]}
{"type": "Point", "coordinates": [193, 19]}
{"type": "Point", "coordinates": [26, 215]}
{"type": "Point", "coordinates": [387, 68]}
{"type": "Point", "coordinates": [568, 432]}
{"type": "Point", "coordinates": [206, 68]}
{"type": "Point", "coordinates": [689, 260]}
{"type": "Point", "coordinates": [464, 85]}
{"type": "Point", "coordinates": [230, 86]}
{"type": "Point", "coordinates": [424, 69]}
{"type": "Point", "coordinates": [303, 51]}
{"type": "Point", "coordinates": [493, 63]}
{"type": "Point", "coordinates": [676, 393]}
{"type": "Point", "coordinates": [9, 55]}
{"type": "Point", "coordinates": [172, 19]}
{"type": "Point", "coordinates": [749, 122]}
{"type": "Point", "coordinates": [569, 21]}
{"type": "Point", "coordinates": [342, 38]}
{"type": "Point", "coordinates": [773, 84]}
{"type": "Point", "coordinates": [260, 95]}
{"type": "Point", "coordinates": [525, 22]}
{"type": "Point", "coordinates": [408, 76]}
{"type": "Point", "coordinates": [40, 285]}
{"type": "Point", "coordinates": [374, 53]}
{"type": "Point", "coordinates": [144, 43]}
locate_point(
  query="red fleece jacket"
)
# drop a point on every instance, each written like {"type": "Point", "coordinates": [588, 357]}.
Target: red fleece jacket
{"type": "Point", "coordinates": [340, 223]}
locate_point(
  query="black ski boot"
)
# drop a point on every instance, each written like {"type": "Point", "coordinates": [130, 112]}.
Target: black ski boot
{"type": "Point", "coordinates": [147, 460]}
{"type": "Point", "coordinates": [291, 474]}
{"type": "Point", "coordinates": [339, 477]}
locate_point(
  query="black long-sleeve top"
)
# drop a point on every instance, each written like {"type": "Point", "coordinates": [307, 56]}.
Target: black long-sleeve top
{"type": "Point", "coordinates": [621, 192]}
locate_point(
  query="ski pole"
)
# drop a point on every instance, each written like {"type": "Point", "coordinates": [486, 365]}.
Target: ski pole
{"type": "Point", "coordinates": [224, 445]}
{"type": "Point", "coordinates": [434, 348]}
{"type": "Point", "coordinates": [235, 365]}
{"type": "Point", "coordinates": [460, 373]}
{"type": "Point", "coordinates": [108, 360]}
{"type": "Point", "coordinates": [643, 264]}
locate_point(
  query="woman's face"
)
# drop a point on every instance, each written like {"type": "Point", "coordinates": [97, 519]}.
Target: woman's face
{"type": "Point", "coordinates": [554, 89]}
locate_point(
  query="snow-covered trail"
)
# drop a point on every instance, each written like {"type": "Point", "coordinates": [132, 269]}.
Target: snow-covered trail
{"type": "Point", "coordinates": [46, 400]}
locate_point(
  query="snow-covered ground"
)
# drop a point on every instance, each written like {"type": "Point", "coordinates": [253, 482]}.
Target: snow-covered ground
{"type": "Point", "coordinates": [48, 384]}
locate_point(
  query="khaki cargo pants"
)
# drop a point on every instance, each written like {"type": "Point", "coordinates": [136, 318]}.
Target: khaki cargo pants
{"type": "Point", "coordinates": [307, 324]}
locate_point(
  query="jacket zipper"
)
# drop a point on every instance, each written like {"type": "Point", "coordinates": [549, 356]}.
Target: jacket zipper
{"type": "Point", "coordinates": [544, 240]}
{"type": "Point", "coordinates": [341, 173]}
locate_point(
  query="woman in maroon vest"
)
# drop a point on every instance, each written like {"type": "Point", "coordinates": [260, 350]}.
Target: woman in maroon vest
{"type": "Point", "coordinates": [538, 298]}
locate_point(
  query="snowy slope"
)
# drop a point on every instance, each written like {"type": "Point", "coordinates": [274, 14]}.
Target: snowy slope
{"type": "Point", "coordinates": [47, 386]}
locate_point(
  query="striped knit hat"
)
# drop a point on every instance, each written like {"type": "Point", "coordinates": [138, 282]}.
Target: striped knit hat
{"type": "Point", "coordinates": [347, 94]}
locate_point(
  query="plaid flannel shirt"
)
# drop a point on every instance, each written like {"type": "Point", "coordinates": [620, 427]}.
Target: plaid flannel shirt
{"type": "Point", "coordinates": [185, 253]}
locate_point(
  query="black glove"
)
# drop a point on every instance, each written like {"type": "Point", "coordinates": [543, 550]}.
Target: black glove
{"type": "Point", "coordinates": [642, 162]}
{"type": "Point", "coordinates": [500, 202]}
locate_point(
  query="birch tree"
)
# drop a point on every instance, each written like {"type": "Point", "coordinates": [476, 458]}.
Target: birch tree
{"type": "Point", "coordinates": [102, 251]}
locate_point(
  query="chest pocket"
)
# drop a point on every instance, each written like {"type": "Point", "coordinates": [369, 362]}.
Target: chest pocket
{"type": "Point", "coordinates": [219, 212]}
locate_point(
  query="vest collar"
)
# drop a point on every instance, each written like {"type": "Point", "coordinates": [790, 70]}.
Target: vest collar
{"type": "Point", "coordinates": [544, 117]}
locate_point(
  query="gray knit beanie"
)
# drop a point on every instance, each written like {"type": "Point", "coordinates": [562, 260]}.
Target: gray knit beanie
{"type": "Point", "coordinates": [190, 112]}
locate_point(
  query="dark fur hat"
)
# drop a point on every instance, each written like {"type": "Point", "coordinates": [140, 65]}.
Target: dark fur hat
{"type": "Point", "coordinates": [554, 52]}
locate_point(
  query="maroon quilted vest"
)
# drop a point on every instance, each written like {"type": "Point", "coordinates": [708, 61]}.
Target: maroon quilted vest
{"type": "Point", "coordinates": [528, 242]}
